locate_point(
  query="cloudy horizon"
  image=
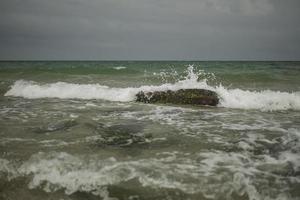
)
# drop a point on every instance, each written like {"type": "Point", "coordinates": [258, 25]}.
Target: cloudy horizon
{"type": "Point", "coordinates": [149, 30]}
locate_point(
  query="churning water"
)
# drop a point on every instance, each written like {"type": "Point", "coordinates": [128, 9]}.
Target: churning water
{"type": "Point", "coordinates": [72, 130]}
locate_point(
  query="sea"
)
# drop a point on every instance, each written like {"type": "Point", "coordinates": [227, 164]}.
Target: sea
{"type": "Point", "coordinates": [72, 130]}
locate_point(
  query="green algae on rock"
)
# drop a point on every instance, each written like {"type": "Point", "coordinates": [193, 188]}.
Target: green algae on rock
{"type": "Point", "coordinates": [182, 96]}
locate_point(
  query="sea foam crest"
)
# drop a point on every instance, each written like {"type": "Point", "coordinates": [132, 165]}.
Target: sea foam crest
{"type": "Point", "coordinates": [230, 98]}
{"type": "Point", "coordinates": [238, 171]}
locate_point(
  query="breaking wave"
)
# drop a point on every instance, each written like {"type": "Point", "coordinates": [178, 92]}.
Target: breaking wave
{"type": "Point", "coordinates": [229, 98]}
{"type": "Point", "coordinates": [119, 67]}
{"type": "Point", "coordinates": [60, 170]}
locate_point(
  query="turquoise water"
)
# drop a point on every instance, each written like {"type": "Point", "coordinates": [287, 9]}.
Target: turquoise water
{"type": "Point", "coordinates": [72, 130]}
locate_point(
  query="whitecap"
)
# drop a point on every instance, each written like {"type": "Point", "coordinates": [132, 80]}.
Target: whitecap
{"type": "Point", "coordinates": [265, 100]}
{"type": "Point", "coordinates": [119, 67]}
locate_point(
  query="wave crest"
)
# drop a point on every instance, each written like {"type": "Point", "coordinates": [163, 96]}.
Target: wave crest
{"type": "Point", "coordinates": [229, 98]}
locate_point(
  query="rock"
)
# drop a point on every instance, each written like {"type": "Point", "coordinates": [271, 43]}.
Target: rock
{"type": "Point", "coordinates": [182, 96]}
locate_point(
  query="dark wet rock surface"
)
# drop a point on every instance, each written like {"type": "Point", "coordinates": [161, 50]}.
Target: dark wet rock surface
{"type": "Point", "coordinates": [182, 96]}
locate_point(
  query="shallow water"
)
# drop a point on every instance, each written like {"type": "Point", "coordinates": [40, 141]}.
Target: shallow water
{"type": "Point", "coordinates": [71, 130]}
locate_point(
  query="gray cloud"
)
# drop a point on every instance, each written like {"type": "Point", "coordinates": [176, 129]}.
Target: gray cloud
{"type": "Point", "coordinates": [150, 29]}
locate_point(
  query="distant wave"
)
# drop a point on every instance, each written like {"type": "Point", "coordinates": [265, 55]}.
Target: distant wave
{"type": "Point", "coordinates": [229, 98]}
{"type": "Point", "coordinates": [119, 67]}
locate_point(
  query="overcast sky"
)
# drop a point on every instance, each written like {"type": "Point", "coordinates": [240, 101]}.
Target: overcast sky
{"type": "Point", "coordinates": [150, 29]}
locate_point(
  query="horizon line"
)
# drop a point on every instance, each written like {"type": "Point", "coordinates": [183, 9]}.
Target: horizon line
{"type": "Point", "coordinates": [143, 60]}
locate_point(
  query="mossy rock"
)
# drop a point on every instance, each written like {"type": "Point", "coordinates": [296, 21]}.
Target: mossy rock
{"type": "Point", "coordinates": [182, 96]}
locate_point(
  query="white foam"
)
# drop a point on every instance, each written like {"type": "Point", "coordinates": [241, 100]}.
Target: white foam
{"type": "Point", "coordinates": [74, 174]}
{"type": "Point", "coordinates": [4, 165]}
{"type": "Point", "coordinates": [263, 100]}
{"type": "Point", "coordinates": [33, 90]}
{"type": "Point", "coordinates": [7, 168]}
{"type": "Point", "coordinates": [214, 174]}
{"type": "Point", "coordinates": [21, 140]}
{"type": "Point", "coordinates": [230, 98]}
{"type": "Point", "coordinates": [119, 67]}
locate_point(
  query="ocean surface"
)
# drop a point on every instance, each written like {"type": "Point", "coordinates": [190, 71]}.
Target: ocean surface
{"type": "Point", "coordinates": [73, 131]}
